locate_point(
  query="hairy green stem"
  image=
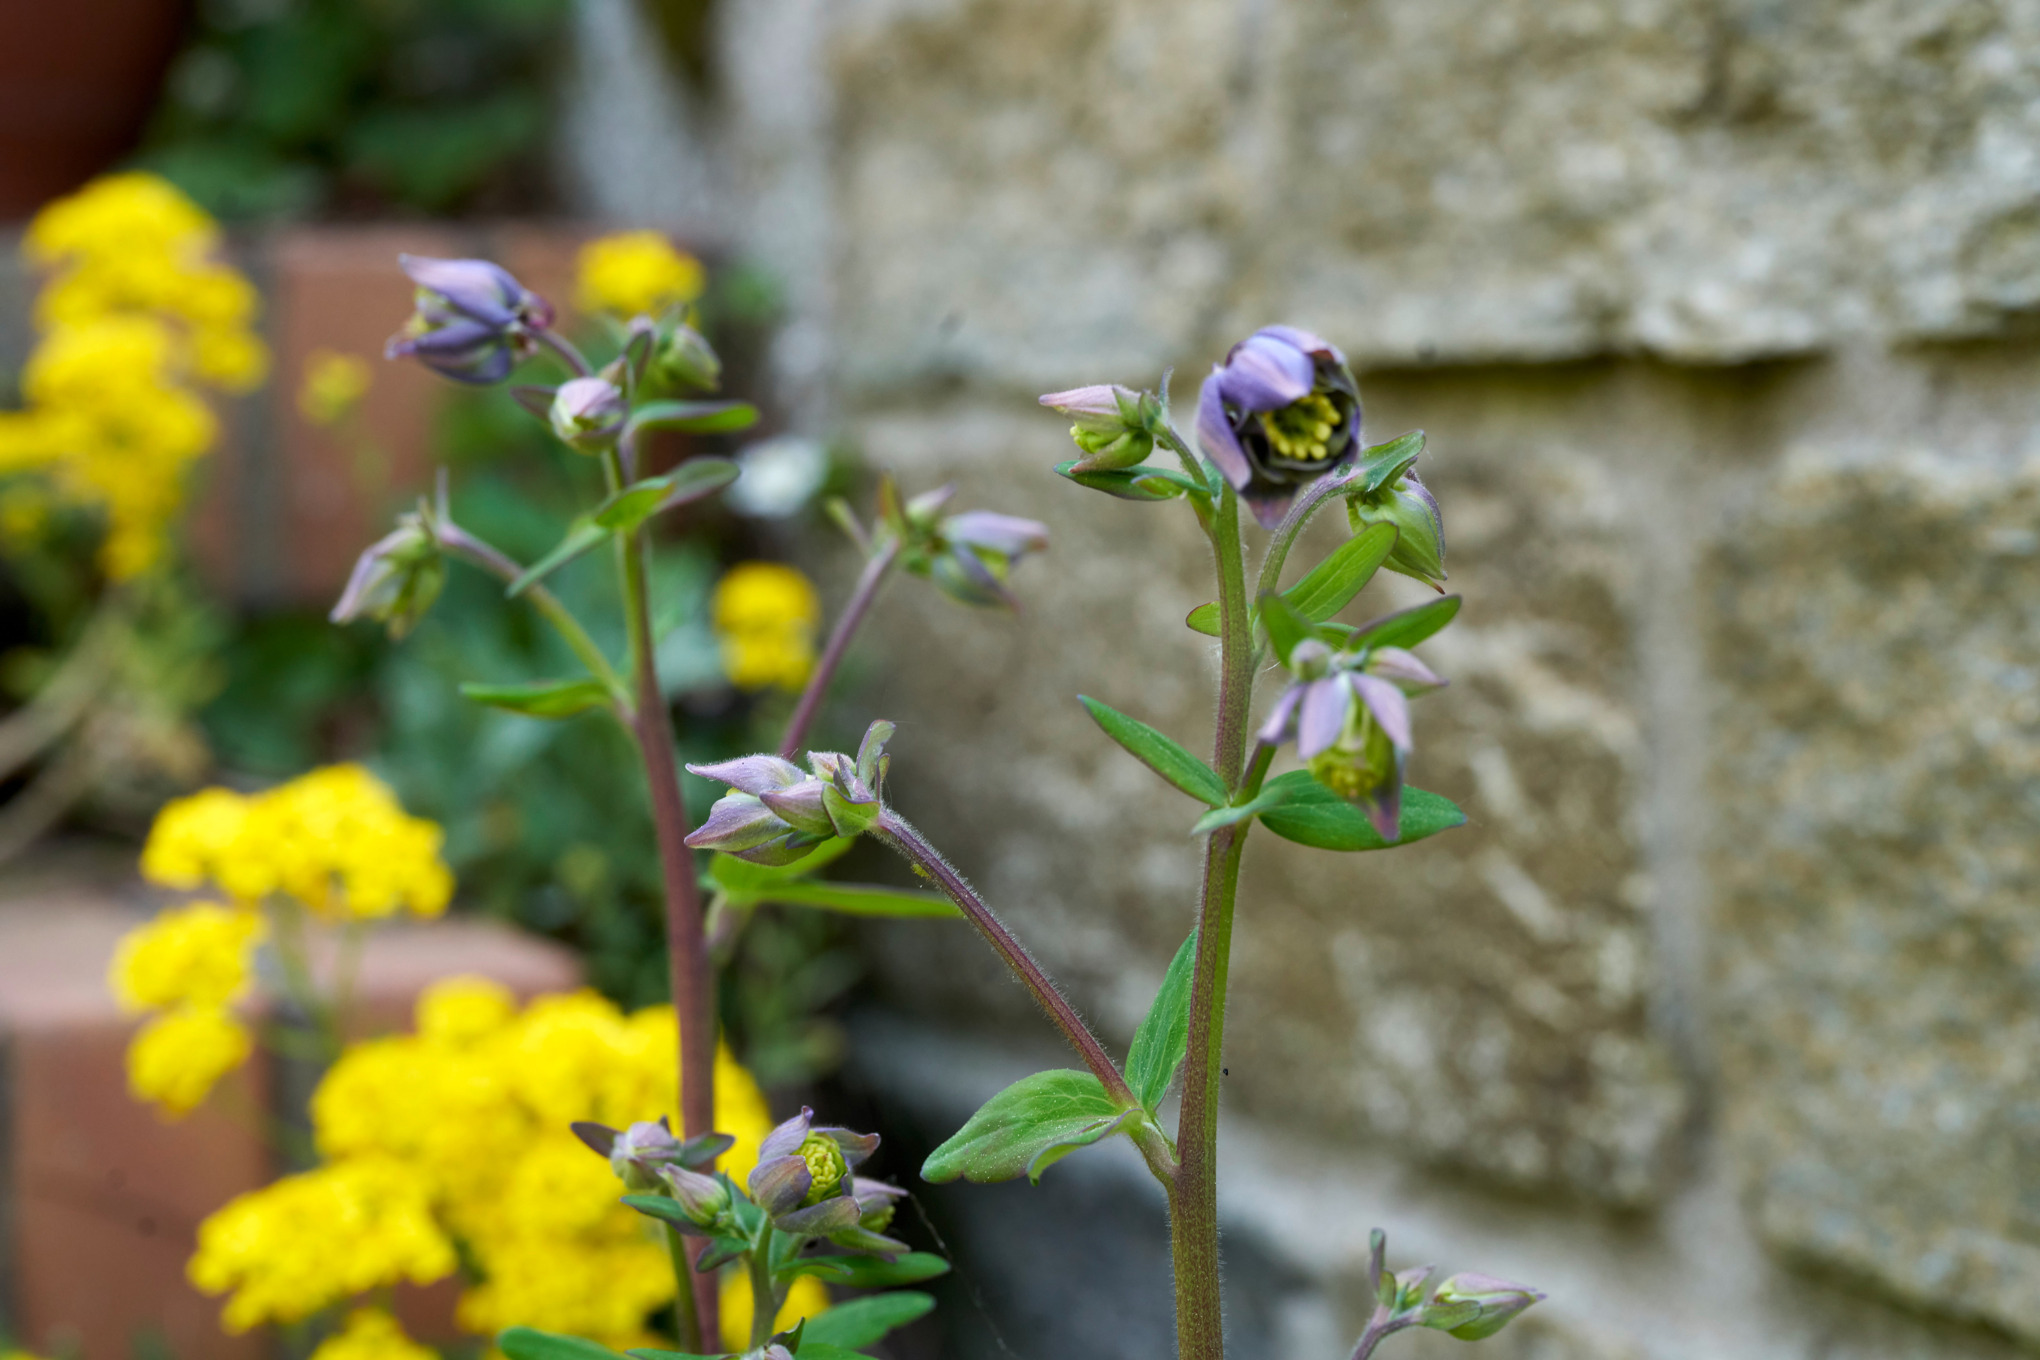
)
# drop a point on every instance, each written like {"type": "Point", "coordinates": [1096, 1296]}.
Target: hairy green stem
{"type": "Point", "coordinates": [876, 569]}
{"type": "Point", "coordinates": [764, 1307]}
{"type": "Point", "coordinates": [1308, 503]}
{"type": "Point", "coordinates": [899, 834]}
{"type": "Point", "coordinates": [1193, 1197]}
{"type": "Point", "coordinates": [686, 1318]}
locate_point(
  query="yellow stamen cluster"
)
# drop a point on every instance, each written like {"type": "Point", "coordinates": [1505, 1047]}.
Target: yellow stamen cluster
{"type": "Point", "coordinates": [766, 614]}
{"type": "Point", "coordinates": [825, 1165]}
{"type": "Point", "coordinates": [1302, 431]}
{"type": "Point", "coordinates": [336, 840]}
{"type": "Point", "coordinates": [636, 273]}
{"type": "Point", "coordinates": [135, 317]}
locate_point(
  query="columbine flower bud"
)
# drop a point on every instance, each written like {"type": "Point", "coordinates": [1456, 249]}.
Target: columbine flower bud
{"type": "Point", "coordinates": [967, 556]}
{"type": "Point", "coordinates": [683, 359]}
{"type": "Point", "coordinates": [802, 1180]}
{"type": "Point", "coordinates": [1282, 410]}
{"type": "Point", "coordinates": [704, 1199]}
{"type": "Point", "coordinates": [1408, 504]}
{"type": "Point", "coordinates": [642, 1152]}
{"type": "Point", "coordinates": [588, 413]}
{"type": "Point", "coordinates": [1473, 1307]}
{"type": "Point", "coordinates": [1113, 425]}
{"type": "Point", "coordinates": [741, 824]}
{"type": "Point", "coordinates": [472, 322]}
{"type": "Point", "coordinates": [396, 580]}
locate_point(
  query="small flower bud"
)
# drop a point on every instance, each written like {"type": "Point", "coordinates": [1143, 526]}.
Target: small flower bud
{"type": "Point", "coordinates": [588, 413]}
{"type": "Point", "coordinates": [1113, 425]}
{"type": "Point", "coordinates": [704, 1199]}
{"type": "Point", "coordinates": [472, 322]}
{"type": "Point", "coordinates": [682, 360]}
{"type": "Point", "coordinates": [802, 807]}
{"type": "Point", "coordinates": [1408, 504]}
{"type": "Point", "coordinates": [396, 580]}
{"type": "Point", "coordinates": [1473, 1307]}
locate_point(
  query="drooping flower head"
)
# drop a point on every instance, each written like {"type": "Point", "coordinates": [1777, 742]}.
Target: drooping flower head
{"type": "Point", "coordinates": [1350, 715]}
{"type": "Point", "coordinates": [775, 813]}
{"type": "Point", "coordinates": [473, 321]}
{"type": "Point", "coordinates": [968, 556]}
{"type": "Point", "coordinates": [1282, 410]}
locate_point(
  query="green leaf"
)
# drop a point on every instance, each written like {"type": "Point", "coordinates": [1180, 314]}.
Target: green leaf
{"type": "Point", "coordinates": [627, 509]}
{"type": "Point", "coordinates": [873, 1272]}
{"type": "Point", "coordinates": [1384, 462]}
{"type": "Point", "coordinates": [741, 878]}
{"type": "Point", "coordinates": [858, 899]}
{"type": "Point", "coordinates": [694, 417]}
{"type": "Point", "coordinates": [1204, 619]}
{"type": "Point", "coordinates": [582, 535]}
{"type": "Point", "coordinates": [1332, 583]}
{"type": "Point", "coordinates": [864, 1322]}
{"type": "Point", "coordinates": [1143, 483]}
{"type": "Point", "coordinates": [1404, 628]}
{"type": "Point", "coordinates": [1158, 753]}
{"type": "Point", "coordinates": [1315, 816]}
{"type": "Point", "coordinates": [647, 1353]}
{"type": "Point", "coordinates": [1026, 1128]}
{"type": "Point", "coordinates": [1286, 627]}
{"type": "Point", "coordinates": [822, 1350]}
{"type": "Point", "coordinates": [719, 1253]}
{"type": "Point", "coordinates": [1164, 1036]}
{"type": "Point", "coordinates": [1270, 796]}
{"type": "Point", "coordinates": [528, 1343]}
{"type": "Point", "coordinates": [540, 698]}
{"type": "Point", "coordinates": [661, 1207]}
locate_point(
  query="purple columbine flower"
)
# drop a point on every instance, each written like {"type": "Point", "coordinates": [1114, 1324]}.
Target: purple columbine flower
{"type": "Point", "coordinates": [641, 1152]}
{"type": "Point", "coordinates": [1282, 410]}
{"type": "Point", "coordinates": [803, 1181]}
{"type": "Point", "coordinates": [1350, 716]}
{"type": "Point", "coordinates": [397, 578]}
{"type": "Point", "coordinates": [588, 413]}
{"type": "Point", "coordinates": [473, 321]}
{"type": "Point", "coordinates": [968, 556]}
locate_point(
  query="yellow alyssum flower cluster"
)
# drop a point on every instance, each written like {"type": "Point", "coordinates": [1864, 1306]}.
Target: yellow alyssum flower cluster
{"type": "Point", "coordinates": [134, 313]}
{"type": "Point", "coordinates": [337, 840]}
{"type": "Point", "coordinates": [372, 1334]}
{"type": "Point", "coordinates": [765, 615]}
{"type": "Point", "coordinates": [453, 1143]}
{"type": "Point", "coordinates": [635, 273]}
{"type": "Point", "coordinates": [192, 964]}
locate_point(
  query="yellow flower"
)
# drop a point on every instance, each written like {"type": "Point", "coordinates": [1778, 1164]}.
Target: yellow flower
{"type": "Point", "coordinates": [806, 1299]}
{"type": "Point", "coordinates": [333, 386]}
{"type": "Point", "coordinates": [765, 617]}
{"type": "Point", "coordinates": [193, 955]}
{"type": "Point", "coordinates": [636, 272]}
{"type": "Point", "coordinates": [372, 1334]}
{"type": "Point", "coordinates": [460, 1010]}
{"type": "Point", "coordinates": [179, 1056]}
{"type": "Point", "coordinates": [319, 1238]}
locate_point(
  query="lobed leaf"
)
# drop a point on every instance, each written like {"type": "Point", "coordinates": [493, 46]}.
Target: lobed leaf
{"type": "Point", "coordinates": [1028, 1127]}
{"type": "Point", "coordinates": [864, 1322]}
{"type": "Point", "coordinates": [540, 698]}
{"type": "Point", "coordinates": [1159, 753]}
{"type": "Point", "coordinates": [1164, 1034]}
{"type": "Point", "coordinates": [1313, 815]}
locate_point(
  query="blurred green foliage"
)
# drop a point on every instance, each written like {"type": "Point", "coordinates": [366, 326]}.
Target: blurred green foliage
{"type": "Point", "coordinates": [289, 107]}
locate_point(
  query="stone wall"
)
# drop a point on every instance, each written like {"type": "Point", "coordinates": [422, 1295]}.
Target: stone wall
{"type": "Point", "coordinates": [1719, 1019]}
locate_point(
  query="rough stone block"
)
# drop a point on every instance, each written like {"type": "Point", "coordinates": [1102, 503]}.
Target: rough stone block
{"type": "Point", "coordinates": [1876, 776]}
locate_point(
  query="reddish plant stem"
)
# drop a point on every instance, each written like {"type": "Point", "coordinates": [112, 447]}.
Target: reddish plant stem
{"type": "Point", "coordinates": [876, 568]}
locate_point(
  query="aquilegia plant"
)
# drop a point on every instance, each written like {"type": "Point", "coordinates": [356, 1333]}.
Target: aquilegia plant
{"type": "Point", "coordinates": [1279, 427]}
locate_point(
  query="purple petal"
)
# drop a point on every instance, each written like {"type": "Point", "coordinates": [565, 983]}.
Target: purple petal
{"type": "Point", "coordinates": [788, 1136]}
{"type": "Point", "coordinates": [483, 290]}
{"type": "Point", "coordinates": [1097, 407]}
{"type": "Point", "coordinates": [1265, 374]}
{"type": "Point", "coordinates": [1402, 667]}
{"type": "Point", "coordinates": [736, 822]}
{"type": "Point", "coordinates": [779, 1184]}
{"type": "Point", "coordinates": [871, 1194]}
{"type": "Point", "coordinates": [1215, 433]}
{"type": "Point", "coordinates": [1384, 806]}
{"type": "Point", "coordinates": [801, 807]}
{"type": "Point", "coordinates": [980, 578]}
{"type": "Point", "coordinates": [1391, 708]}
{"type": "Point", "coordinates": [857, 1147]}
{"type": "Point", "coordinates": [1008, 534]}
{"type": "Point", "coordinates": [1269, 503]}
{"type": "Point", "coordinates": [599, 1137]}
{"type": "Point", "coordinates": [1325, 705]}
{"type": "Point", "coordinates": [752, 774]}
{"type": "Point", "coordinates": [1313, 345]}
{"type": "Point", "coordinates": [819, 1220]}
{"type": "Point", "coordinates": [1275, 731]}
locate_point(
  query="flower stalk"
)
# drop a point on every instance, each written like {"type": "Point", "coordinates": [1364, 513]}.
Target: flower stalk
{"type": "Point", "coordinates": [876, 568]}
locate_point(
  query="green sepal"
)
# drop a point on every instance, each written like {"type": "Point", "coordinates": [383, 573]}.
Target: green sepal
{"type": "Point", "coordinates": [865, 1321]}
{"type": "Point", "coordinates": [1144, 483]}
{"type": "Point", "coordinates": [583, 535]}
{"type": "Point", "coordinates": [720, 1253]}
{"type": "Point", "coordinates": [1164, 1034]}
{"type": "Point", "coordinates": [1331, 584]}
{"type": "Point", "coordinates": [1313, 815]}
{"type": "Point", "coordinates": [1382, 464]}
{"type": "Point", "coordinates": [540, 698]}
{"type": "Point", "coordinates": [1159, 753]}
{"type": "Point", "coordinates": [661, 1207]}
{"type": "Point", "coordinates": [1270, 796]}
{"type": "Point", "coordinates": [1451, 1317]}
{"type": "Point", "coordinates": [528, 1343]}
{"type": "Point", "coordinates": [1404, 628]}
{"type": "Point", "coordinates": [1028, 1127]}
{"type": "Point", "coordinates": [875, 1272]}
{"type": "Point", "coordinates": [694, 417]}
{"type": "Point", "coordinates": [623, 512]}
